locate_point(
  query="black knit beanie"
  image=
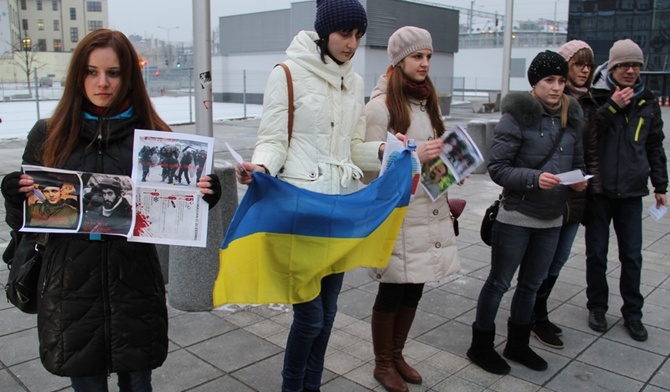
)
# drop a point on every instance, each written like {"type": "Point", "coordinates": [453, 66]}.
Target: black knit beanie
{"type": "Point", "coordinates": [545, 64]}
{"type": "Point", "coordinates": [336, 15]}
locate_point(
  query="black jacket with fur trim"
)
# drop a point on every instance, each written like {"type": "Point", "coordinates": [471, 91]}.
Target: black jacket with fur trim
{"type": "Point", "coordinates": [522, 139]}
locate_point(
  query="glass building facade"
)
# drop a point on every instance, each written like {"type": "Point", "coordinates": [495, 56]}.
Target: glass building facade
{"type": "Point", "coordinates": [647, 22]}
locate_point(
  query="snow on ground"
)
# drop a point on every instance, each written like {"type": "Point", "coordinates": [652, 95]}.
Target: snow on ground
{"type": "Point", "coordinates": [18, 117]}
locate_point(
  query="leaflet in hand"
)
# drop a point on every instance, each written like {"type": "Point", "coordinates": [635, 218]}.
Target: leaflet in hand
{"type": "Point", "coordinates": [458, 159]}
{"type": "Point", "coordinates": [159, 203]}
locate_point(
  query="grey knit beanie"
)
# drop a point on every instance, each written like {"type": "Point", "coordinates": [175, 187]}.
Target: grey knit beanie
{"type": "Point", "coordinates": [336, 15]}
{"type": "Point", "coordinates": [407, 40]}
{"type": "Point", "coordinates": [545, 64]}
{"type": "Point", "coordinates": [625, 51]}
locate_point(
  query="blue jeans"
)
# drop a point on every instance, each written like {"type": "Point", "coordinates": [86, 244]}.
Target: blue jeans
{"type": "Point", "coordinates": [128, 382]}
{"type": "Point", "coordinates": [528, 249]}
{"type": "Point", "coordinates": [308, 339]}
{"type": "Point", "coordinates": [627, 217]}
{"type": "Point", "coordinates": [564, 247]}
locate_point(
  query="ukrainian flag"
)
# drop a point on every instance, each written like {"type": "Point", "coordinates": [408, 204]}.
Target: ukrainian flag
{"type": "Point", "coordinates": [283, 240]}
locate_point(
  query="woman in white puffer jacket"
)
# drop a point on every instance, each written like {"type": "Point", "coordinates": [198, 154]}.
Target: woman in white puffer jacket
{"type": "Point", "coordinates": [326, 153]}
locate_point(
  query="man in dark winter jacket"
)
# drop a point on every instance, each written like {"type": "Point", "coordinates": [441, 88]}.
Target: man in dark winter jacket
{"type": "Point", "coordinates": [630, 140]}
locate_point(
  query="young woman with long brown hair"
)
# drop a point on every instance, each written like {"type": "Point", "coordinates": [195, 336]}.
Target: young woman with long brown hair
{"type": "Point", "coordinates": [405, 101]}
{"type": "Point", "coordinates": [101, 308]}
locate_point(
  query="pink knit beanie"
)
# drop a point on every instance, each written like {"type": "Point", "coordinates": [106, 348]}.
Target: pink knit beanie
{"type": "Point", "coordinates": [571, 47]}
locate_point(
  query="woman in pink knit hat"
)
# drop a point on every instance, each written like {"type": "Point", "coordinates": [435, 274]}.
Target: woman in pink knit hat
{"type": "Point", "coordinates": [579, 56]}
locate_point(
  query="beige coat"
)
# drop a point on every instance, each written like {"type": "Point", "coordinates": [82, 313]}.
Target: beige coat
{"type": "Point", "coordinates": [425, 250]}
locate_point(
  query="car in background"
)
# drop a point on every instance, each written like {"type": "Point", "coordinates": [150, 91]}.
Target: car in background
{"type": "Point", "coordinates": [46, 81]}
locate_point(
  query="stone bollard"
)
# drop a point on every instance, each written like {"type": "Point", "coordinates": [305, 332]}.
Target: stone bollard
{"type": "Point", "coordinates": [193, 271]}
{"type": "Point", "coordinates": [164, 260]}
{"type": "Point", "coordinates": [477, 131]}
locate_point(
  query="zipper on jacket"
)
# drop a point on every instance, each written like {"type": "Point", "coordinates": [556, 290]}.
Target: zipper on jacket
{"type": "Point", "coordinates": [639, 126]}
{"type": "Point", "coordinates": [99, 143]}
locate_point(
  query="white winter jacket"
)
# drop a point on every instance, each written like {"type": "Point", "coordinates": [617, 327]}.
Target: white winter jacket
{"type": "Point", "coordinates": [327, 152]}
{"type": "Point", "coordinates": [425, 250]}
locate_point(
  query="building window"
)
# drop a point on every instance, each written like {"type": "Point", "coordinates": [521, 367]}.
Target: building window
{"type": "Point", "coordinates": [73, 15]}
{"type": "Point", "coordinates": [56, 25]}
{"type": "Point", "coordinates": [94, 6]}
{"type": "Point", "coordinates": [74, 34]}
{"type": "Point", "coordinates": [24, 24]}
{"type": "Point", "coordinates": [40, 24]}
{"type": "Point", "coordinates": [42, 45]}
{"type": "Point", "coordinates": [23, 5]}
{"type": "Point", "coordinates": [94, 25]}
{"type": "Point", "coordinates": [39, 5]}
{"type": "Point", "coordinates": [54, 5]}
{"type": "Point", "coordinates": [58, 45]}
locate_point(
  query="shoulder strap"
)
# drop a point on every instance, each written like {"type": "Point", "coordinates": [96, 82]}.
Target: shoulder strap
{"type": "Point", "coordinates": [553, 148]}
{"type": "Point", "coordinates": [289, 82]}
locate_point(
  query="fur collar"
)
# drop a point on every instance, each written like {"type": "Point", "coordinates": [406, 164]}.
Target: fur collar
{"type": "Point", "coordinates": [527, 111]}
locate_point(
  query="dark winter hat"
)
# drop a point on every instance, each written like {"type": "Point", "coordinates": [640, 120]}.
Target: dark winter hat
{"type": "Point", "coordinates": [336, 15]}
{"type": "Point", "coordinates": [49, 182]}
{"type": "Point", "coordinates": [407, 40]}
{"type": "Point", "coordinates": [545, 64]}
{"type": "Point", "coordinates": [111, 183]}
{"type": "Point", "coordinates": [624, 51]}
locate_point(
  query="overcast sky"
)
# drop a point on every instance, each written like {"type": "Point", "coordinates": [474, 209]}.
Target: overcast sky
{"type": "Point", "coordinates": [142, 17]}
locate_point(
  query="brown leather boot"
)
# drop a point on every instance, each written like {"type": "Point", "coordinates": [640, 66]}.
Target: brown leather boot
{"type": "Point", "coordinates": [382, 341]}
{"type": "Point", "coordinates": [403, 322]}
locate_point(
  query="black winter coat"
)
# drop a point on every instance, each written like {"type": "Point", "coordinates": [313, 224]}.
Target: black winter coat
{"type": "Point", "coordinates": [575, 207]}
{"type": "Point", "coordinates": [102, 303]}
{"type": "Point", "coordinates": [523, 137]}
{"type": "Point", "coordinates": [630, 142]}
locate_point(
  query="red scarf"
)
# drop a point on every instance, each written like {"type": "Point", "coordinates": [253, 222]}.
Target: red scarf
{"type": "Point", "coordinates": [420, 91]}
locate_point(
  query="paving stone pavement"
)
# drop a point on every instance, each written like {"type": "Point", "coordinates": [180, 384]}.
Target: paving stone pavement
{"type": "Point", "coordinates": [241, 348]}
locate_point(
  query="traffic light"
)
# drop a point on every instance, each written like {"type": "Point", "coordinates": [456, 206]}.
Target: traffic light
{"type": "Point", "coordinates": [158, 73]}
{"type": "Point", "coordinates": [178, 65]}
{"type": "Point", "coordinates": [166, 62]}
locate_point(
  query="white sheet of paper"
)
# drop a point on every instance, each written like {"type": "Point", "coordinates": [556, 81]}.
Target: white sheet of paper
{"type": "Point", "coordinates": [657, 213]}
{"type": "Point", "coordinates": [235, 154]}
{"type": "Point", "coordinates": [573, 177]}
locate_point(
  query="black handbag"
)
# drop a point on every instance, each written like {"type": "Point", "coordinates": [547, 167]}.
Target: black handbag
{"type": "Point", "coordinates": [487, 221]}
{"type": "Point", "coordinates": [24, 270]}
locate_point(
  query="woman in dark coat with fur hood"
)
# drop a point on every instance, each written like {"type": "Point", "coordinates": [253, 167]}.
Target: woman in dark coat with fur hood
{"type": "Point", "coordinates": [525, 163]}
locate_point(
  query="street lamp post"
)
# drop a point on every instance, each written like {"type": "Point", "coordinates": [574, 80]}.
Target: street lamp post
{"type": "Point", "coordinates": [169, 54]}
{"type": "Point", "coordinates": [27, 47]}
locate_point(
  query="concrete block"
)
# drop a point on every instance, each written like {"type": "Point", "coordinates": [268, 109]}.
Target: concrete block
{"type": "Point", "coordinates": [477, 131]}
{"type": "Point", "coordinates": [164, 260]}
{"type": "Point", "coordinates": [193, 271]}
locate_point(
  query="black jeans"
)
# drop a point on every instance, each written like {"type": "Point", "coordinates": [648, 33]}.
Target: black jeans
{"type": "Point", "coordinates": [627, 217]}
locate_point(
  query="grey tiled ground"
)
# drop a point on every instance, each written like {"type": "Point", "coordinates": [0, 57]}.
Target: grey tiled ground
{"type": "Point", "coordinates": [241, 348]}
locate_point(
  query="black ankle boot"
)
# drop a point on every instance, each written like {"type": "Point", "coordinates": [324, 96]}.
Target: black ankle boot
{"type": "Point", "coordinates": [482, 353]}
{"type": "Point", "coordinates": [517, 348]}
{"type": "Point", "coordinates": [544, 332]}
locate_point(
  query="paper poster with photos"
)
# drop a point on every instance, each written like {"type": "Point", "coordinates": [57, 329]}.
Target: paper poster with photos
{"type": "Point", "coordinates": [64, 201]}
{"type": "Point", "coordinates": [458, 159]}
{"type": "Point", "coordinates": [166, 169]}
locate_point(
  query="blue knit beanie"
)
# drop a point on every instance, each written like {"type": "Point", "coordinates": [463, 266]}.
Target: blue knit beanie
{"type": "Point", "coordinates": [336, 15]}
